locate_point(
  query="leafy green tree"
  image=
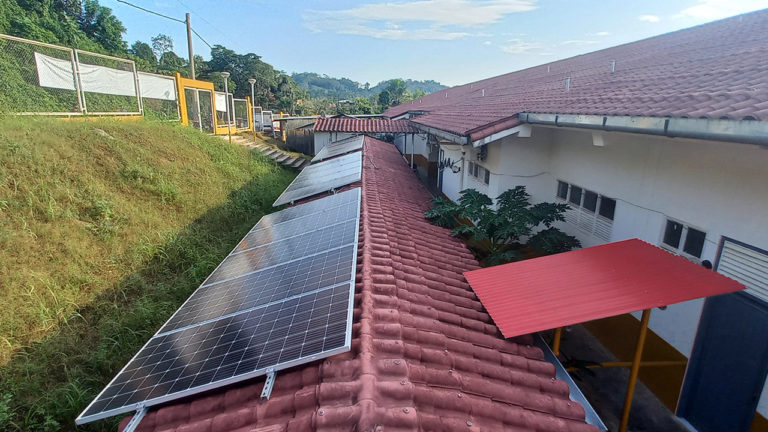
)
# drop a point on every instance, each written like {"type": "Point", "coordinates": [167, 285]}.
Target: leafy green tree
{"type": "Point", "coordinates": [98, 23]}
{"type": "Point", "coordinates": [384, 99]}
{"type": "Point", "coordinates": [170, 63]}
{"type": "Point", "coordinates": [504, 228]}
{"type": "Point", "coordinates": [143, 51]}
{"type": "Point", "coordinates": [161, 44]}
{"type": "Point", "coordinates": [396, 89]}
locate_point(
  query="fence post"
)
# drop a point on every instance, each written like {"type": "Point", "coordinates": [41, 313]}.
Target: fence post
{"type": "Point", "coordinates": [79, 83]}
{"type": "Point", "coordinates": [138, 87]}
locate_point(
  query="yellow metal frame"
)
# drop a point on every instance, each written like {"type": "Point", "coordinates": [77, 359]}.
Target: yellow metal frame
{"type": "Point", "coordinates": [181, 83]}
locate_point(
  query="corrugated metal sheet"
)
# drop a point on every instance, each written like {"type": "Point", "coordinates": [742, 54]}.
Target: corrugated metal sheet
{"type": "Point", "coordinates": [362, 125]}
{"type": "Point", "coordinates": [591, 283]}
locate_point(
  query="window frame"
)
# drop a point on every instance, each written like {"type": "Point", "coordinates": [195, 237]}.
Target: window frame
{"type": "Point", "coordinates": [580, 205]}
{"type": "Point", "coordinates": [680, 249]}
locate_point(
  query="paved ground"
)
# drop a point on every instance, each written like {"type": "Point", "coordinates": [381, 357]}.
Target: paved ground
{"type": "Point", "coordinates": [605, 388]}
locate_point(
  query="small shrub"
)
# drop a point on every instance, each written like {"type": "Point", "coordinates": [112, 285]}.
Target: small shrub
{"type": "Point", "coordinates": [503, 229]}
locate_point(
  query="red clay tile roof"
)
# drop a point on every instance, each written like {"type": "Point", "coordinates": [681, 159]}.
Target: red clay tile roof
{"type": "Point", "coordinates": [716, 70]}
{"type": "Point", "coordinates": [362, 125]}
{"type": "Point", "coordinates": [425, 354]}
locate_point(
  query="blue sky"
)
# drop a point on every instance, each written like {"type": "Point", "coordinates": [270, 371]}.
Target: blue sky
{"type": "Point", "coordinates": [451, 41]}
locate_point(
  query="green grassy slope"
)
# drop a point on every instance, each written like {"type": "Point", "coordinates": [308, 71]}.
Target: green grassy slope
{"type": "Point", "coordinates": [105, 228]}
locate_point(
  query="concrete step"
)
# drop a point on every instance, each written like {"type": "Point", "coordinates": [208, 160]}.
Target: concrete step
{"type": "Point", "coordinates": [299, 162]}
{"type": "Point", "coordinates": [269, 152]}
{"type": "Point", "coordinates": [289, 161]}
{"type": "Point", "coordinates": [283, 157]}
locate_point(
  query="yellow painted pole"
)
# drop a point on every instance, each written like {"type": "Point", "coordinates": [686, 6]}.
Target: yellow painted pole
{"type": "Point", "coordinates": [635, 370]}
{"type": "Point", "coordinates": [556, 341]}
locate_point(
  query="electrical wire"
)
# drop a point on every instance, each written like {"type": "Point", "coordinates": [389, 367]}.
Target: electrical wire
{"type": "Point", "coordinates": [152, 12]}
{"type": "Point", "coordinates": [202, 17]}
{"type": "Point", "coordinates": [201, 38]}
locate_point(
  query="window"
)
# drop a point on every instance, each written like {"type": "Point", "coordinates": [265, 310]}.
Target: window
{"type": "Point", "coordinates": [575, 197]}
{"type": "Point", "coordinates": [590, 200]}
{"type": "Point", "coordinates": [681, 238]}
{"type": "Point", "coordinates": [588, 211]}
{"type": "Point", "coordinates": [607, 207]}
{"type": "Point", "coordinates": [479, 173]}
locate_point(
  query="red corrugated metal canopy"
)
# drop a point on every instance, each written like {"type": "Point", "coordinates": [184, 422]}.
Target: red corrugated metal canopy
{"type": "Point", "coordinates": [590, 283]}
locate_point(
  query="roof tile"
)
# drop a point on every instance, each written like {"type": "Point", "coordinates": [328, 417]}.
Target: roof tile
{"type": "Point", "coordinates": [362, 125]}
{"type": "Point", "coordinates": [715, 70]}
{"type": "Point", "coordinates": [424, 355]}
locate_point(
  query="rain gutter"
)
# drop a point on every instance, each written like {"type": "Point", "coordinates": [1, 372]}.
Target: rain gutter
{"type": "Point", "coordinates": [740, 131]}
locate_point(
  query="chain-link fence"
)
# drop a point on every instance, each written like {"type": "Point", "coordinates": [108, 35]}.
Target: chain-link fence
{"type": "Point", "coordinates": [158, 96]}
{"type": "Point", "coordinates": [199, 108]}
{"type": "Point", "coordinates": [224, 104]}
{"type": "Point", "coordinates": [109, 84]}
{"type": "Point", "coordinates": [240, 112]}
{"type": "Point", "coordinates": [40, 78]}
{"type": "Point", "coordinates": [37, 78]}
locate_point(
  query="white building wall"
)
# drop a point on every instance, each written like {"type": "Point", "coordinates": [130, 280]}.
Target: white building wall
{"type": "Point", "coordinates": [719, 188]}
{"type": "Point", "coordinates": [452, 183]}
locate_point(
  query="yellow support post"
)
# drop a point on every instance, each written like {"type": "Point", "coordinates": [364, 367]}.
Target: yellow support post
{"type": "Point", "coordinates": [635, 370]}
{"type": "Point", "coordinates": [556, 341]}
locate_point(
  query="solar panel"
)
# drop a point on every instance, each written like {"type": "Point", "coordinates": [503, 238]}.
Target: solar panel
{"type": "Point", "coordinates": [322, 177]}
{"type": "Point", "coordinates": [340, 147]}
{"type": "Point", "coordinates": [282, 297]}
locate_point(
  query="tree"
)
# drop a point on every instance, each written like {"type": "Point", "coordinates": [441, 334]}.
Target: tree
{"type": "Point", "coordinates": [170, 63]}
{"type": "Point", "coordinates": [98, 23]}
{"type": "Point", "coordinates": [161, 44]}
{"type": "Point", "coordinates": [503, 229]}
{"type": "Point", "coordinates": [144, 52]}
{"type": "Point", "coordinates": [384, 99]}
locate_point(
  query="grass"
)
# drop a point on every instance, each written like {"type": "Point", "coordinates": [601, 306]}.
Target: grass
{"type": "Point", "coordinates": [105, 228]}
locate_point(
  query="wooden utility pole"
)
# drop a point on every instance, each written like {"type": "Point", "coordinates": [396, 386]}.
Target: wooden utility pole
{"type": "Point", "coordinates": [191, 51]}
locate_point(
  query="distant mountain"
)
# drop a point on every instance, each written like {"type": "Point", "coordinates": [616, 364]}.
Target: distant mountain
{"type": "Point", "coordinates": [320, 86]}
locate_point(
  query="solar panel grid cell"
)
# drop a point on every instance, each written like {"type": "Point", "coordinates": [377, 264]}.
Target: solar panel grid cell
{"type": "Point", "coordinates": [323, 176]}
{"type": "Point", "coordinates": [340, 147]}
{"type": "Point", "coordinates": [285, 250]}
{"type": "Point", "coordinates": [281, 303]}
{"type": "Point", "coordinates": [237, 345]}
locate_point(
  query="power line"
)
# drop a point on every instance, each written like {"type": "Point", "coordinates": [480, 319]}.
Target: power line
{"type": "Point", "coordinates": [199, 15]}
{"type": "Point", "coordinates": [152, 12]}
{"type": "Point", "coordinates": [201, 38]}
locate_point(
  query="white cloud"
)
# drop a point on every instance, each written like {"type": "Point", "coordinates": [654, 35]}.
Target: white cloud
{"type": "Point", "coordinates": [716, 9]}
{"type": "Point", "coordinates": [487, 43]}
{"type": "Point", "coordinates": [649, 18]}
{"type": "Point", "coordinates": [603, 33]}
{"type": "Point", "coordinates": [518, 46]}
{"type": "Point", "coordinates": [579, 42]}
{"type": "Point", "coordinates": [428, 19]}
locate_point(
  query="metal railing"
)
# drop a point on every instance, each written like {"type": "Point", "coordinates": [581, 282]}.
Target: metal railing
{"type": "Point", "coordinates": [46, 79]}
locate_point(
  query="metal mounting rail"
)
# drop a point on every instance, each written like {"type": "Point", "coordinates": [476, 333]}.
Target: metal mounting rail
{"type": "Point", "coordinates": [268, 384]}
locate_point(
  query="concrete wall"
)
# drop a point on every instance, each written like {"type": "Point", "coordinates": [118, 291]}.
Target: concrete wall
{"type": "Point", "coordinates": [719, 188]}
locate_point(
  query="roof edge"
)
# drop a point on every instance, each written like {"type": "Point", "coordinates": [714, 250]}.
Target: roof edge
{"type": "Point", "coordinates": [739, 131]}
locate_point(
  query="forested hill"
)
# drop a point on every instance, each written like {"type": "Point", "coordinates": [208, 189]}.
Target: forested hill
{"type": "Point", "coordinates": [321, 86]}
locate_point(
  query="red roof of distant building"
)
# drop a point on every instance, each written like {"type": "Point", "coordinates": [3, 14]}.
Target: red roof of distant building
{"type": "Point", "coordinates": [715, 70]}
{"type": "Point", "coordinates": [362, 125]}
{"type": "Point", "coordinates": [425, 354]}
{"type": "Point", "coordinates": [591, 283]}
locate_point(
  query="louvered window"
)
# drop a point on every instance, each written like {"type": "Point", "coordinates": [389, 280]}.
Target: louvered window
{"type": "Point", "coordinates": [588, 211]}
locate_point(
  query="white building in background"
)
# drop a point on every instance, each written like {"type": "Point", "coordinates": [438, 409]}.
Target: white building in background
{"type": "Point", "coordinates": [665, 140]}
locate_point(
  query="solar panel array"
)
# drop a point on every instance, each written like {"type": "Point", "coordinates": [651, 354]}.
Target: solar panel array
{"type": "Point", "coordinates": [322, 177]}
{"type": "Point", "coordinates": [340, 147]}
{"type": "Point", "coordinates": [282, 297]}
